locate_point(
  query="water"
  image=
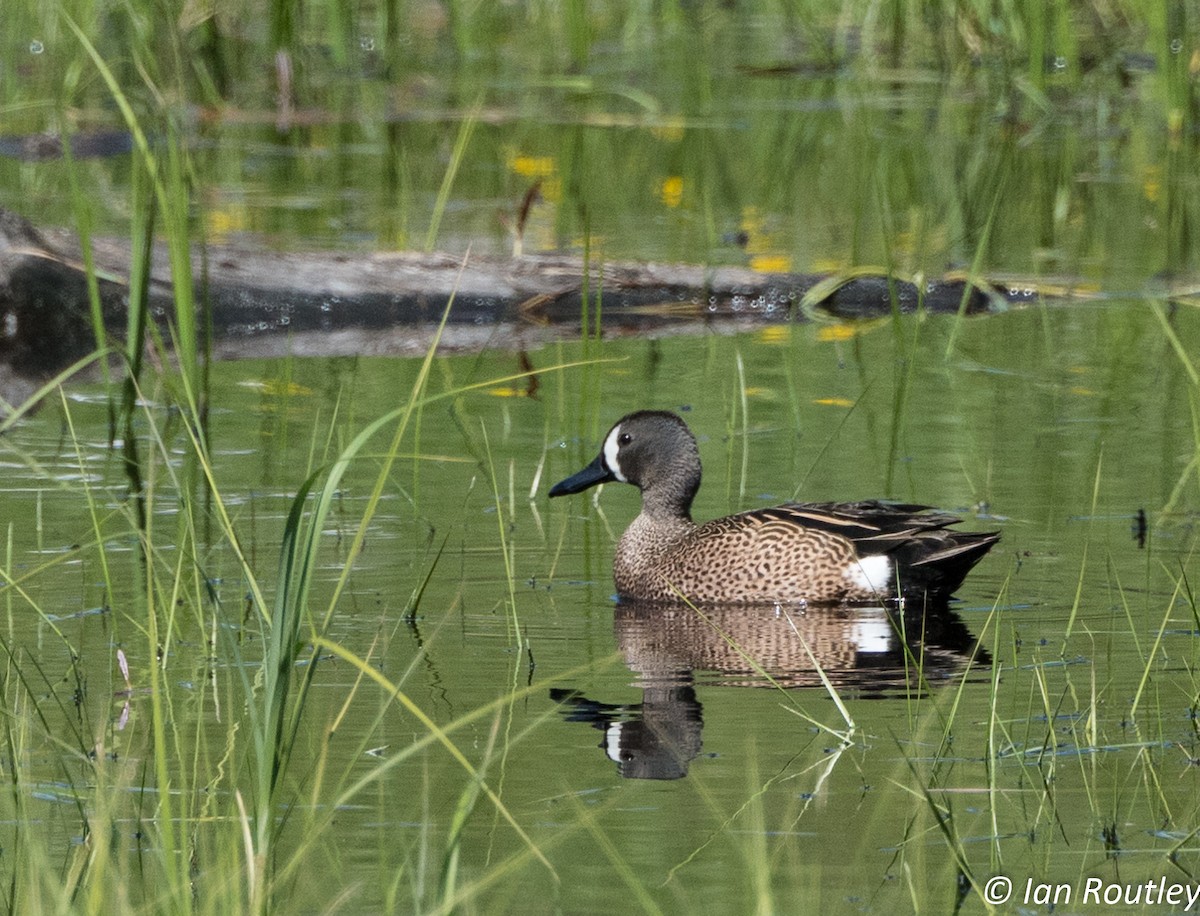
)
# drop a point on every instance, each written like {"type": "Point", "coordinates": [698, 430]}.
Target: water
{"type": "Point", "coordinates": [722, 135]}
{"type": "Point", "coordinates": [1055, 426]}
{"type": "Point", "coordinates": [1044, 730]}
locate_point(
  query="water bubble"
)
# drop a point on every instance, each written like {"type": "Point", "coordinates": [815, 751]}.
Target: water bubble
{"type": "Point", "coordinates": [1176, 45]}
{"type": "Point", "coordinates": [1060, 63]}
{"type": "Point", "coordinates": [36, 47]}
{"type": "Point", "coordinates": [366, 43]}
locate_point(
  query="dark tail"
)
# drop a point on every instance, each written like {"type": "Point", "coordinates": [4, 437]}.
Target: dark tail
{"type": "Point", "coordinates": [939, 572]}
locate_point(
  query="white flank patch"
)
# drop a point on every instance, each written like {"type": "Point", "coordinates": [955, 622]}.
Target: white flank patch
{"type": "Point", "coordinates": [872, 573]}
{"type": "Point", "coordinates": [612, 742]}
{"type": "Point", "coordinates": [611, 448]}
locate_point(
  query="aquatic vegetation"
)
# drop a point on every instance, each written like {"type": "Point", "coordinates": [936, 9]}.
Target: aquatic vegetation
{"type": "Point", "coordinates": [295, 635]}
{"type": "Point", "coordinates": [340, 653]}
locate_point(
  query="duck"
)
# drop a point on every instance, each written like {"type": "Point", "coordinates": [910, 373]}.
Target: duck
{"type": "Point", "coordinates": [872, 551]}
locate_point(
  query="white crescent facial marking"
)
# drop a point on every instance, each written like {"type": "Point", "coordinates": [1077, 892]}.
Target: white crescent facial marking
{"type": "Point", "coordinates": [611, 448]}
{"type": "Point", "coordinates": [872, 573]}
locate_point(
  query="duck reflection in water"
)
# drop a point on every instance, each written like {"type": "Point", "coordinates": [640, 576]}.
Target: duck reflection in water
{"type": "Point", "coordinates": [861, 650]}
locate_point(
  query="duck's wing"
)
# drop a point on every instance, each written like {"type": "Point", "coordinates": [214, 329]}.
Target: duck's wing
{"type": "Point", "coordinates": [868, 521]}
{"type": "Point", "coordinates": [929, 554]}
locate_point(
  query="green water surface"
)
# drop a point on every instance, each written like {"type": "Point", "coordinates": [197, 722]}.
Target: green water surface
{"type": "Point", "coordinates": [1054, 426]}
{"type": "Point", "coordinates": [1044, 730]}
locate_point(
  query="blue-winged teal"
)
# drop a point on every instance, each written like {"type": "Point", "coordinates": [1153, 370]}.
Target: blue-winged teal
{"type": "Point", "coordinates": [798, 552]}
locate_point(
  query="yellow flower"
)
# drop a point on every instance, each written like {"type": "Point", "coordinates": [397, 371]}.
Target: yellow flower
{"type": "Point", "coordinates": [532, 166]}
{"type": "Point", "coordinates": [834, 332]}
{"type": "Point", "coordinates": [671, 190]}
{"type": "Point", "coordinates": [775, 334]}
{"type": "Point", "coordinates": [222, 222]}
{"type": "Point", "coordinates": [765, 256]}
{"type": "Point", "coordinates": [771, 263]}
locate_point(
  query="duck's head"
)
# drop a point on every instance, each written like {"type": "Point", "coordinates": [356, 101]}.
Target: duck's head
{"type": "Point", "coordinates": [651, 449]}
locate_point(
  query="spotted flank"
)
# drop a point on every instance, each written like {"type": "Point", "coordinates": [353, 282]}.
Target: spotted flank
{"type": "Point", "coordinates": [815, 553]}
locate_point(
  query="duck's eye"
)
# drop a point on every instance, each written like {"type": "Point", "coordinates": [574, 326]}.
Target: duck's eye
{"type": "Point", "coordinates": [624, 439]}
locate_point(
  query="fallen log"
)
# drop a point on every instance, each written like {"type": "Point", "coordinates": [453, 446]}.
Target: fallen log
{"type": "Point", "coordinates": [262, 303]}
